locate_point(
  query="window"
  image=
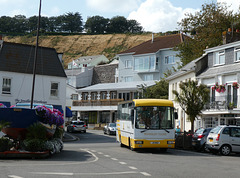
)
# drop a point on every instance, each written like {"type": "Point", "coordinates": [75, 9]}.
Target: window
{"type": "Point", "coordinates": [128, 79]}
{"type": "Point", "coordinates": [148, 77]}
{"type": "Point", "coordinates": [237, 54]}
{"type": "Point", "coordinates": [219, 57]}
{"type": "Point", "coordinates": [6, 86]}
{"type": "Point", "coordinates": [93, 96]}
{"type": "Point", "coordinates": [54, 89]}
{"type": "Point", "coordinates": [103, 95]}
{"type": "Point", "coordinates": [169, 60]}
{"type": "Point", "coordinates": [74, 97]}
{"type": "Point", "coordinates": [113, 95]}
{"type": "Point", "coordinates": [128, 64]}
{"type": "Point", "coordinates": [144, 63]}
{"type": "Point", "coordinates": [84, 96]}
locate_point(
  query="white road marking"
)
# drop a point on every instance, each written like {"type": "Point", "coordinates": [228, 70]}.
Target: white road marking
{"type": "Point", "coordinates": [93, 151]}
{"type": "Point", "coordinates": [13, 176]}
{"type": "Point", "coordinates": [100, 153]}
{"type": "Point", "coordinates": [115, 159]}
{"type": "Point", "coordinates": [131, 167]}
{"type": "Point", "coordinates": [106, 155]}
{"type": "Point", "coordinates": [72, 174]}
{"type": "Point", "coordinates": [122, 163]}
{"type": "Point", "coordinates": [145, 174]}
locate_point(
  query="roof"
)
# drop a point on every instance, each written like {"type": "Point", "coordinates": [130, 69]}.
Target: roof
{"type": "Point", "coordinates": [190, 67]}
{"type": "Point", "coordinates": [221, 70]}
{"type": "Point", "coordinates": [15, 57]}
{"type": "Point", "coordinates": [88, 59]}
{"type": "Point", "coordinates": [117, 86]}
{"type": "Point", "coordinates": [153, 102]}
{"type": "Point", "coordinates": [162, 42]}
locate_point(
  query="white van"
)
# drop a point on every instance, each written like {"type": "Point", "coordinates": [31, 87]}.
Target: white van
{"type": "Point", "coordinates": [224, 139]}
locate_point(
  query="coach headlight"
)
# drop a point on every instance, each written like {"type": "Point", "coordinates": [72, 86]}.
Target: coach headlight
{"type": "Point", "coordinates": [170, 142]}
{"type": "Point", "coordinates": [138, 142]}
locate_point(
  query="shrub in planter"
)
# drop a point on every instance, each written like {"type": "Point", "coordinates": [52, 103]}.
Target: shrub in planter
{"type": "Point", "coordinates": [5, 144]}
{"type": "Point", "coordinates": [34, 145]}
{"type": "Point", "coordinates": [37, 131]}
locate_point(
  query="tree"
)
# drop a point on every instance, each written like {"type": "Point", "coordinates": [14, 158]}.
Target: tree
{"type": "Point", "coordinates": [159, 91]}
{"type": "Point", "coordinates": [192, 98]}
{"type": "Point", "coordinates": [96, 24]}
{"type": "Point", "coordinates": [206, 26]}
{"type": "Point", "coordinates": [118, 24]}
{"type": "Point", "coordinates": [134, 26]}
{"type": "Point", "coordinates": [72, 22]}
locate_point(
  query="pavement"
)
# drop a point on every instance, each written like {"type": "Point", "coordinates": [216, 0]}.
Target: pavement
{"type": "Point", "coordinates": [69, 137]}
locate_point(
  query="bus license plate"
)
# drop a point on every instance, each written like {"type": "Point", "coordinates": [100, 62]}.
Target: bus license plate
{"type": "Point", "coordinates": [155, 142]}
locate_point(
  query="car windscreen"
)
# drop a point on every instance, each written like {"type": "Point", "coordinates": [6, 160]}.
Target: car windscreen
{"type": "Point", "coordinates": [200, 131]}
{"type": "Point", "coordinates": [112, 125]}
{"type": "Point", "coordinates": [215, 130]}
{"type": "Point", "coordinates": [78, 123]}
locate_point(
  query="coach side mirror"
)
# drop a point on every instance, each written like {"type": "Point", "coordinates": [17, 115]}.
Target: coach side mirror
{"type": "Point", "coordinates": [175, 115]}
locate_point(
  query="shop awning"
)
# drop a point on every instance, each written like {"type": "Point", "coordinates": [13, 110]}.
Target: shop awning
{"type": "Point", "coordinates": [68, 112]}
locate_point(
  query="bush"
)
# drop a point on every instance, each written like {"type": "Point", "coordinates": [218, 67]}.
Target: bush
{"type": "Point", "coordinates": [34, 145]}
{"type": "Point", "coordinates": [36, 131]}
{"type": "Point", "coordinates": [5, 144]}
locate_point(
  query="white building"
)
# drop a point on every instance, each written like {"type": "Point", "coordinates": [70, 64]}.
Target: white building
{"type": "Point", "coordinates": [150, 60]}
{"type": "Point", "coordinates": [16, 73]}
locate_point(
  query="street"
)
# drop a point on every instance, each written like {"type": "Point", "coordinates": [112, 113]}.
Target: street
{"type": "Point", "coordinates": [97, 155]}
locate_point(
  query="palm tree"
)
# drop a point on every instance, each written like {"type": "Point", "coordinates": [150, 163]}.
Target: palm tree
{"type": "Point", "coordinates": [192, 98]}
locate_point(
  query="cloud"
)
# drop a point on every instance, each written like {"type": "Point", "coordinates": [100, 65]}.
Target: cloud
{"type": "Point", "coordinates": [113, 5]}
{"type": "Point", "coordinates": [159, 15]}
{"type": "Point", "coordinates": [234, 4]}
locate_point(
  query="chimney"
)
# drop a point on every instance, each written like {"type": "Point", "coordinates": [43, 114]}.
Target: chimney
{"type": "Point", "coordinates": [152, 37]}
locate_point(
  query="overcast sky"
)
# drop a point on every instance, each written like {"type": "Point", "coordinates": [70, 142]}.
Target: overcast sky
{"type": "Point", "coordinates": [153, 15]}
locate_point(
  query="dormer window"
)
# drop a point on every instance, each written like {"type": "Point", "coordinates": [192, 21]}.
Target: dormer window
{"type": "Point", "coordinates": [219, 58]}
{"type": "Point", "coordinates": [237, 54]}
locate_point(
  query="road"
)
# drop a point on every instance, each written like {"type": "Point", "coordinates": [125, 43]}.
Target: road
{"type": "Point", "coordinates": [99, 155]}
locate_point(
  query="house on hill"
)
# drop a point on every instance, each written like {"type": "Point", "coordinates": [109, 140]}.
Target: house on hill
{"type": "Point", "coordinates": [150, 60]}
{"type": "Point", "coordinates": [87, 61]}
{"type": "Point", "coordinates": [16, 74]}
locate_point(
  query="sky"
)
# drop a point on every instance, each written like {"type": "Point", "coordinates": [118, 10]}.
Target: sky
{"type": "Point", "coordinates": [153, 15]}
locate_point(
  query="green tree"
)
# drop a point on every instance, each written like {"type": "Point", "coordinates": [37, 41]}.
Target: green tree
{"type": "Point", "coordinates": [96, 24]}
{"type": "Point", "coordinates": [192, 98]}
{"type": "Point", "coordinates": [206, 26]}
{"type": "Point", "coordinates": [134, 27]}
{"type": "Point", "coordinates": [159, 91]}
{"type": "Point", "coordinates": [118, 24]}
{"type": "Point", "coordinates": [72, 22]}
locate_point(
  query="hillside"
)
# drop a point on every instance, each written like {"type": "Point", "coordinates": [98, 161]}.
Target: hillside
{"type": "Point", "coordinates": [85, 45]}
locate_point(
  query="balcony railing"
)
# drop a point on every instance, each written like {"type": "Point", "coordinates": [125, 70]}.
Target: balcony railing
{"type": "Point", "coordinates": [106, 102]}
{"type": "Point", "coordinates": [221, 103]}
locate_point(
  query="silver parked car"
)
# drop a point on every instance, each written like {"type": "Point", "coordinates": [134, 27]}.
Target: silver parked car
{"type": "Point", "coordinates": [224, 139]}
{"type": "Point", "coordinates": [110, 129]}
{"type": "Point", "coordinates": [76, 126]}
{"type": "Point", "coordinates": [199, 139]}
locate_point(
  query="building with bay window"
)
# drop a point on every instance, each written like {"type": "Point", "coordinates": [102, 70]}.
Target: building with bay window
{"type": "Point", "coordinates": [150, 60]}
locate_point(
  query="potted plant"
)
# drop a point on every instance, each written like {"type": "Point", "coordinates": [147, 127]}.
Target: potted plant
{"type": "Point", "coordinates": [219, 88]}
{"type": "Point", "coordinates": [235, 85]}
{"type": "Point", "coordinates": [230, 105]}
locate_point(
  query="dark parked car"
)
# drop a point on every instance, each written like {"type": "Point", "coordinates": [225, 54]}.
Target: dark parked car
{"type": "Point", "coordinates": [76, 126]}
{"type": "Point", "coordinates": [110, 129]}
{"type": "Point", "coordinates": [199, 139]}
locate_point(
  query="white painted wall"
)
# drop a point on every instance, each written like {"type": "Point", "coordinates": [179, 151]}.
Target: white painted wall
{"type": "Point", "coordinates": [182, 120]}
{"type": "Point", "coordinates": [21, 88]}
